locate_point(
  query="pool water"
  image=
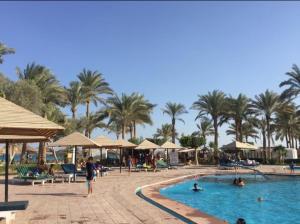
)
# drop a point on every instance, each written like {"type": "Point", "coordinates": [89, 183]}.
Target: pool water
{"type": "Point", "coordinates": [228, 202]}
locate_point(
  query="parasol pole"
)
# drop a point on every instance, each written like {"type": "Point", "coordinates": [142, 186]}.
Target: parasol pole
{"type": "Point", "coordinates": [6, 171]}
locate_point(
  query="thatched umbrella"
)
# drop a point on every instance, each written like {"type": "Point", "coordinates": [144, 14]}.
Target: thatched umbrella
{"type": "Point", "coordinates": [75, 139]}
{"type": "Point", "coordinates": [105, 142]}
{"type": "Point", "coordinates": [147, 145]}
{"type": "Point", "coordinates": [124, 145]}
{"type": "Point", "coordinates": [18, 125]}
{"type": "Point", "coordinates": [236, 146]}
{"type": "Point", "coordinates": [170, 145]}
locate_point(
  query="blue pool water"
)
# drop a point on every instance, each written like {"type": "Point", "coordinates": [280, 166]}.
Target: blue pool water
{"type": "Point", "coordinates": [228, 202]}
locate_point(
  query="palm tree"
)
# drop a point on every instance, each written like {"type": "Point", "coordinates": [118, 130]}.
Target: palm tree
{"type": "Point", "coordinates": [127, 110]}
{"type": "Point", "coordinates": [4, 50]}
{"type": "Point", "coordinates": [54, 114]}
{"type": "Point", "coordinates": [52, 93]}
{"type": "Point", "coordinates": [174, 110]}
{"type": "Point", "coordinates": [165, 132]}
{"type": "Point", "coordinates": [266, 104]}
{"type": "Point", "coordinates": [248, 131]}
{"type": "Point", "coordinates": [120, 111]}
{"type": "Point", "coordinates": [205, 128]}
{"type": "Point", "coordinates": [45, 80]}
{"type": "Point", "coordinates": [281, 151]}
{"type": "Point", "coordinates": [93, 121]}
{"type": "Point", "coordinates": [5, 83]}
{"type": "Point", "coordinates": [213, 104]}
{"type": "Point", "coordinates": [93, 86]}
{"type": "Point", "coordinates": [238, 109]}
{"type": "Point", "coordinates": [287, 124]}
{"type": "Point", "coordinates": [143, 109]}
{"type": "Point", "coordinates": [74, 97]}
{"type": "Point", "coordinates": [114, 127]}
{"type": "Point", "coordinates": [293, 83]}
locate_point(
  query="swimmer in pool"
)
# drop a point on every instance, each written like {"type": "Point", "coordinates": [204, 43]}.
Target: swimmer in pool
{"type": "Point", "coordinates": [196, 189]}
{"type": "Point", "coordinates": [260, 199]}
{"type": "Point", "coordinates": [240, 183]}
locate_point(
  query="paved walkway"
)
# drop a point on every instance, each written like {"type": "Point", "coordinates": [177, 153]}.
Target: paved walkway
{"type": "Point", "coordinates": [114, 200]}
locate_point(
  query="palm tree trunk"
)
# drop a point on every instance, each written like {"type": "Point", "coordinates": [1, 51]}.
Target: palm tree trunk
{"type": "Point", "coordinates": [289, 136]}
{"type": "Point", "coordinates": [287, 141]}
{"type": "Point", "coordinates": [131, 131]}
{"type": "Point", "coordinates": [87, 113]}
{"type": "Point", "coordinates": [123, 131]}
{"type": "Point", "coordinates": [196, 157]}
{"type": "Point", "coordinates": [216, 133]}
{"type": "Point", "coordinates": [269, 136]}
{"type": "Point", "coordinates": [11, 153]}
{"type": "Point", "coordinates": [263, 132]}
{"type": "Point", "coordinates": [236, 130]}
{"type": "Point", "coordinates": [73, 114]}
{"type": "Point", "coordinates": [241, 132]}
{"type": "Point", "coordinates": [134, 129]}
{"type": "Point", "coordinates": [173, 130]}
{"type": "Point", "coordinates": [39, 156]}
{"type": "Point", "coordinates": [24, 148]}
{"type": "Point", "coordinates": [54, 155]}
{"type": "Point", "coordinates": [41, 152]}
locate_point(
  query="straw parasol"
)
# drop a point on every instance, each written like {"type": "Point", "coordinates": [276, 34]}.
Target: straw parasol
{"type": "Point", "coordinates": [170, 145]}
{"type": "Point", "coordinates": [125, 144]}
{"type": "Point", "coordinates": [17, 121]}
{"type": "Point", "coordinates": [238, 146]}
{"type": "Point", "coordinates": [105, 142]}
{"type": "Point", "coordinates": [75, 139]}
{"type": "Point", "coordinates": [146, 144]}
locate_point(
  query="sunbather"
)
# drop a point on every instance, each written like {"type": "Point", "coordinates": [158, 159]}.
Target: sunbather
{"type": "Point", "coordinates": [51, 170]}
{"type": "Point", "coordinates": [43, 167]}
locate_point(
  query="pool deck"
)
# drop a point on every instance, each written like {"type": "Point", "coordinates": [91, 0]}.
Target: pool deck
{"type": "Point", "coordinates": [114, 200]}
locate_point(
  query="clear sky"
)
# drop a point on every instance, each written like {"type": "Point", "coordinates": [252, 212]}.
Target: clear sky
{"type": "Point", "coordinates": [169, 51]}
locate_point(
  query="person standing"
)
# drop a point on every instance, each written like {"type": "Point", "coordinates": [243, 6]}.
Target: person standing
{"type": "Point", "coordinates": [90, 175]}
{"type": "Point", "coordinates": [129, 163]}
{"type": "Point", "coordinates": [292, 167]}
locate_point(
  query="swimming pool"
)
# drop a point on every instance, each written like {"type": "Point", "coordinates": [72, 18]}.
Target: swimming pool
{"type": "Point", "coordinates": [227, 202]}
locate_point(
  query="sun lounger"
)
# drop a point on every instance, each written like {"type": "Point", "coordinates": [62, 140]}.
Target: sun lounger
{"type": "Point", "coordinates": [160, 164]}
{"type": "Point", "coordinates": [251, 163]}
{"type": "Point", "coordinates": [69, 169]}
{"type": "Point", "coordinates": [8, 209]}
{"type": "Point", "coordinates": [144, 167]}
{"type": "Point", "coordinates": [31, 174]}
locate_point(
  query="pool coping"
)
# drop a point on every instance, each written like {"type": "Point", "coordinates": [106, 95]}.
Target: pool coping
{"type": "Point", "coordinates": [151, 193]}
{"type": "Point", "coordinates": [183, 212]}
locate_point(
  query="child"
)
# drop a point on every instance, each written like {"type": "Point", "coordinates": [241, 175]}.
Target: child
{"type": "Point", "coordinates": [90, 175]}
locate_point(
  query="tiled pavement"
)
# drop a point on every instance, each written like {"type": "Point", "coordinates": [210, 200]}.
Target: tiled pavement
{"type": "Point", "coordinates": [113, 202]}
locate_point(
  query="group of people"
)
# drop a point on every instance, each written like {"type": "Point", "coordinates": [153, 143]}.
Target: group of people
{"type": "Point", "coordinates": [238, 182]}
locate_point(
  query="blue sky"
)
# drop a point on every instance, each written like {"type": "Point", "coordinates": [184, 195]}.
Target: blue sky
{"type": "Point", "coordinates": [169, 51]}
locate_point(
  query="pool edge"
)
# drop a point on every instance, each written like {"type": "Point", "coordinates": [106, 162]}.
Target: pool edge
{"type": "Point", "coordinates": [151, 194]}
